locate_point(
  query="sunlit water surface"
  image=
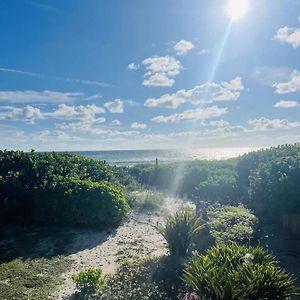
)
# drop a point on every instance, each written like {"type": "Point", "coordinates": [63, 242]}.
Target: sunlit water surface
{"type": "Point", "coordinates": [132, 157]}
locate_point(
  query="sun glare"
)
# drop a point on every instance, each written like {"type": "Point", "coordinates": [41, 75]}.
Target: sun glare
{"type": "Point", "coordinates": [236, 9]}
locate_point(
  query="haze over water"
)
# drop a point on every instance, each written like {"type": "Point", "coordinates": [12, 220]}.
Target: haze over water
{"type": "Point", "coordinates": [132, 157]}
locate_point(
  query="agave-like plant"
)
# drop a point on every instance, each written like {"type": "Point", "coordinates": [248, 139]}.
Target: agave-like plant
{"type": "Point", "coordinates": [232, 272]}
{"type": "Point", "coordinates": [180, 230]}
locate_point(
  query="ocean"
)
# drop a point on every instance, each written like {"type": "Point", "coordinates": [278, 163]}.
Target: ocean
{"type": "Point", "coordinates": [133, 157]}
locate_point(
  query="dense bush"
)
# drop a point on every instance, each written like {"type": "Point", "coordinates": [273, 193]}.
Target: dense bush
{"type": "Point", "coordinates": [71, 201]}
{"type": "Point", "coordinates": [60, 188]}
{"type": "Point", "coordinates": [232, 272]}
{"type": "Point", "coordinates": [231, 223]}
{"type": "Point", "coordinates": [269, 180]}
{"type": "Point", "coordinates": [274, 186]}
{"type": "Point", "coordinates": [180, 231]}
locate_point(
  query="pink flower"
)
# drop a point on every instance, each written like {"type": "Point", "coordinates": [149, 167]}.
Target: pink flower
{"type": "Point", "coordinates": [191, 296]}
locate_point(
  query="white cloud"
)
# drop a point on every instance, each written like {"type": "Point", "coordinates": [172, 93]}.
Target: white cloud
{"type": "Point", "coordinates": [95, 129]}
{"type": "Point", "coordinates": [203, 51]}
{"type": "Point", "coordinates": [205, 93]}
{"type": "Point", "coordinates": [83, 113]}
{"type": "Point", "coordinates": [293, 85]}
{"type": "Point", "coordinates": [50, 136]}
{"type": "Point", "coordinates": [182, 47]}
{"type": "Point", "coordinates": [219, 123]}
{"type": "Point", "coordinates": [268, 76]}
{"type": "Point", "coordinates": [286, 104]}
{"type": "Point", "coordinates": [160, 70]}
{"type": "Point", "coordinates": [85, 126]}
{"type": "Point", "coordinates": [159, 79]}
{"type": "Point", "coordinates": [93, 97]}
{"type": "Point", "coordinates": [288, 35]}
{"type": "Point", "coordinates": [116, 106]}
{"type": "Point", "coordinates": [86, 117]}
{"type": "Point", "coordinates": [217, 131]}
{"type": "Point", "coordinates": [133, 66]}
{"type": "Point", "coordinates": [131, 103]}
{"type": "Point", "coordinates": [136, 125]}
{"type": "Point", "coordinates": [264, 124]}
{"type": "Point", "coordinates": [115, 122]}
{"type": "Point", "coordinates": [38, 97]}
{"type": "Point", "coordinates": [27, 114]}
{"type": "Point", "coordinates": [192, 115]}
{"type": "Point", "coordinates": [163, 64]}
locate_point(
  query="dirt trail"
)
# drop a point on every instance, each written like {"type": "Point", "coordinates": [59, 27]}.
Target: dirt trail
{"type": "Point", "coordinates": [102, 249]}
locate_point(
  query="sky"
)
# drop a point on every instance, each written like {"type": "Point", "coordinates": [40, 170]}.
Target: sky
{"type": "Point", "coordinates": [137, 74]}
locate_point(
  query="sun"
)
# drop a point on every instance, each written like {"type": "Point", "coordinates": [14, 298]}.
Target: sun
{"type": "Point", "coordinates": [236, 9]}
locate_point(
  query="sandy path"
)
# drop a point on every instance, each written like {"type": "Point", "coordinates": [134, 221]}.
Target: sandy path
{"type": "Point", "coordinates": [102, 249]}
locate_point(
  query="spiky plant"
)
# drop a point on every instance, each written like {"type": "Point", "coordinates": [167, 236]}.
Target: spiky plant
{"type": "Point", "coordinates": [180, 230]}
{"type": "Point", "coordinates": [232, 272]}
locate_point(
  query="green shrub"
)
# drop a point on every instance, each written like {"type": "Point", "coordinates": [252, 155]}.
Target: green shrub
{"type": "Point", "coordinates": [54, 188]}
{"type": "Point", "coordinates": [180, 230]}
{"type": "Point", "coordinates": [71, 201]}
{"type": "Point", "coordinates": [198, 180]}
{"type": "Point", "coordinates": [268, 180]}
{"type": "Point", "coordinates": [231, 223]}
{"type": "Point", "coordinates": [89, 281]}
{"type": "Point", "coordinates": [232, 272]}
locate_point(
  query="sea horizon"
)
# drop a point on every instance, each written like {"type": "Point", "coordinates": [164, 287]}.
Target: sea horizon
{"type": "Point", "coordinates": [148, 156]}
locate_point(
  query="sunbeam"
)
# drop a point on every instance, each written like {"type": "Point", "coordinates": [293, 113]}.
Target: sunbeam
{"type": "Point", "coordinates": [179, 173]}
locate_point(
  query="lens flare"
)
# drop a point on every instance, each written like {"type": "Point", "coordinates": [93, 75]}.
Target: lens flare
{"type": "Point", "coordinates": [237, 9]}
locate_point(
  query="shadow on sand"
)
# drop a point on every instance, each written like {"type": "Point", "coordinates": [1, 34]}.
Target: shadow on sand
{"type": "Point", "coordinates": [47, 242]}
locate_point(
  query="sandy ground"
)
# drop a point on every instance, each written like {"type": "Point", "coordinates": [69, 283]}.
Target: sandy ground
{"type": "Point", "coordinates": [93, 249]}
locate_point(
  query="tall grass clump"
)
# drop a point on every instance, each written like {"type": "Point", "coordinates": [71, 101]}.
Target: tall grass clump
{"type": "Point", "coordinates": [232, 272]}
{"type": "Point", "coordinates": [180, 230]}
{"type": "Point", "coordinates": [146, 201]}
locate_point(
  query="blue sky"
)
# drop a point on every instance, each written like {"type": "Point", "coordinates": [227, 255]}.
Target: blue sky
{"type": "Point", "coordinates": [137, 74]}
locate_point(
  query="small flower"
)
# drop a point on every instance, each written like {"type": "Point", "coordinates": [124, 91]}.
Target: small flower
{"type": "Point", "coordinates": [191, 296]}
{"type": "Point", "coordinates": [248, 258]}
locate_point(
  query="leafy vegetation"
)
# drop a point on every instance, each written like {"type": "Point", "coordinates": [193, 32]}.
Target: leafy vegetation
{"type": "Point", "coordinates": [266, 180]}
{"type": "Point", "coordinates": [64, 189]}
{"type": "Point", "coordinates": [232, 272]}
{"type": "Point", "coordinates": [89, 282]}
{"type": "Point", "coordinates": [71, 201]}
{"type": "Point", "coordinates": [231, 223]}
{"type": "Point", "coordinates": [31, 279]}
{"type": "Point", "coordinates": [60, 189]}
{"type": "Point", "coordinates": [274, 186]}
{"type": "Point", "coordinates": [133, 280]}
{"type": "Point", "coordinates": [150, 278]}
{"type": "Point", "coordinates": [180, 230]}
{"type": "Point", "coordinates": [201, 180]}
